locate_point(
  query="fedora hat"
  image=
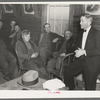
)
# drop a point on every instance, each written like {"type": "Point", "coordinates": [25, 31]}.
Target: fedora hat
{"type": "Point", "coordinates": [31, 79]}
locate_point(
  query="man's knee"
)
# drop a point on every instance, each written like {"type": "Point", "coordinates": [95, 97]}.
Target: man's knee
{"type": "Point", "coordinates": [14, 60]}
{"type": "Point", "coordinates": [51, 65]}
{"type": "Point", "coordinates": [4, 67]}
{"type": "Point", "coordinates": [67, 72]}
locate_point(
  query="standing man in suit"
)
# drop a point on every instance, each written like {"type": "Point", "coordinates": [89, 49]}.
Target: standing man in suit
{"type": "Point", "coordinates": [87, 56]}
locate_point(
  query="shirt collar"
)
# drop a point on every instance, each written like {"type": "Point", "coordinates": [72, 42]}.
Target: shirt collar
{"type": "Point", "coordinates": [88, 29]}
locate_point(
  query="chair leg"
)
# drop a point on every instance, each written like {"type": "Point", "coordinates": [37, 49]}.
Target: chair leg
{"type": "Point", "coordinates": [83, 85]}
{"type": "Point", "coordinates": [79, 85]}
{"type": "Point", "coordinates": [50, 76]}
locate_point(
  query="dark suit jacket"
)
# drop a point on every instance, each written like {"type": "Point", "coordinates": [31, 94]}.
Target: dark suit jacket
{"type": "Point", "coordinates": [55, 46]}
{"type": "Point", "coordinates": [68, 46]}
{"type": "Point", "coordinates": [92, 48]}
{"type": "Point", "coordinates": [46, 42]}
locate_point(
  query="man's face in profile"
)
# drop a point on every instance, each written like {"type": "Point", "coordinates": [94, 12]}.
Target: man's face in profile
{"type": "Point", "coordinates": [84, 22]}
{"type": "Point", "coordinates": [47, 28]}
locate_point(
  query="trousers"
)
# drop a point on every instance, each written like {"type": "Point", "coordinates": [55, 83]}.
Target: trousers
{"type": "Point", "coordinates": [7, 63]}
{"type": "Point", "coordinates": [77, 67]}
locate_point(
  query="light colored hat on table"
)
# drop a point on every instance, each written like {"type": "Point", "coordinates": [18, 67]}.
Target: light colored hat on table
{"type": "Point", "coordinates": [30, 79]}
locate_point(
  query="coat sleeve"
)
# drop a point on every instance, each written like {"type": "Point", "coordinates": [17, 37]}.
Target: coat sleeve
{"type": "Point", "coordinates": [63, 47]}
{"type": "Point", "coordinates": [35, 47]}
{"type": "Point", "coordinates": [19, 48]}
{"type": "Point", "coordinates": [94, 48]}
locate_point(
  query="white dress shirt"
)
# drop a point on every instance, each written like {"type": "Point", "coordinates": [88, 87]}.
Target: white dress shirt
{"type": "Point", "coordinates": [84, 38]}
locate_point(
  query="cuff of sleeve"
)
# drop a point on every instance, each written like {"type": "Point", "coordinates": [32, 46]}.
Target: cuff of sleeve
{"type": "Point", "coordinates": [28, 57]}
{"type": "Point", "coordinates": [85, 52]}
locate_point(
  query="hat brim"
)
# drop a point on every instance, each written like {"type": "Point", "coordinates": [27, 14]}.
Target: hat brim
{"type": "Point", "coordinates": [37, 85]}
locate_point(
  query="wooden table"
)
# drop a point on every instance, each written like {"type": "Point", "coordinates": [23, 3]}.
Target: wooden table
{"type": "Point", "coordinates": [13, 85]}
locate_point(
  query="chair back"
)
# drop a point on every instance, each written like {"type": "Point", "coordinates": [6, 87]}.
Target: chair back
{"type": "Point", "coordinates": [19, 62]}
{"type": "Point", "coordinates": [20, 65]}
{"type": "Point", "coordinates": [66, 61]}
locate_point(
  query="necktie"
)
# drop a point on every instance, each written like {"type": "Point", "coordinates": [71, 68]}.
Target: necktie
{"type": "Point", "coordinates": [84, 30]}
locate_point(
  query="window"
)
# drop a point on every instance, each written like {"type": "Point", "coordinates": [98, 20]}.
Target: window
{"type": "Point", "coordinates": [58, 17]}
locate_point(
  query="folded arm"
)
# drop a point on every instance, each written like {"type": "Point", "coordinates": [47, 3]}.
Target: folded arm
{"type": "Point", "coordinates": [19, 47]}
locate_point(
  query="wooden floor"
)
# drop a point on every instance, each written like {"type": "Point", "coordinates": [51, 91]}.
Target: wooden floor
{"type": "Point", "coordinates": [80, 86]}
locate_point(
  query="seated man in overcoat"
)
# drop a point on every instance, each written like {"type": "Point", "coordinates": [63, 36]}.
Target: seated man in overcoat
{"type": "Point", "coordinates": [29, 54]}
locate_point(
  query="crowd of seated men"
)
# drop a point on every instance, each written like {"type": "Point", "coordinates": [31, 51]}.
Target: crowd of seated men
{"type": "Point", "coordinates": [41, 57]}
{"type": "Point", "coordinates": [48, 54]}
{"type": "Point", "coordinates": [68, 46]}
{"type": "Point", "coordinates": [8, 61]}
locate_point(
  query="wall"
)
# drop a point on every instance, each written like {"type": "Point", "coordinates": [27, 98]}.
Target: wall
{"type": "Point", "coordinates": [76, 12]}
{"type": "Point", "coordinates": [31, 22]}
{"type": "Point", "coordinates": [96, 16]}
{"type": "Point", "coordinates": [96, 22]}
{"type": "Point", "coordinates": [34, 22]}
{"type": "Point", "coordinates": [58, 17]}
{"type": "Point", "coordinates": [44, 15]}
{"type": "Point", "coordinates": [63, 17]}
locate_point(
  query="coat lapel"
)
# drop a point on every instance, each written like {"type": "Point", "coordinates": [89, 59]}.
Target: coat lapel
{"type": "Point", "coordinates": [41, 37]}
{"type": "Point", "coordinates": [89, 37]}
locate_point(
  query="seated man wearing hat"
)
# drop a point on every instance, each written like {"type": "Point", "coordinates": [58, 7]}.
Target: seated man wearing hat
{"type": "Point", "coordinates": [68, 46]}
{"type": "Point", "coordinates": [29, 54]}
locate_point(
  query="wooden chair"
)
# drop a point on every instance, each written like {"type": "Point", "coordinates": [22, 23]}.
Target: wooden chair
{"type": "Point", "coordinates": [66, 60]}
{"type": "Point", "coordinates": [20, 65]}
{"type": "Point", "coordinates": [79, 82]}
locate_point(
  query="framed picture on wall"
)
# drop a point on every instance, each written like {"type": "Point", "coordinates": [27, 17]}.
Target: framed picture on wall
{"type": "Point", "coordinates": [93, 9]}
{"type": "Point", "coordinates": [28, 9]}
{"type": "Point", "coordinates": [8, 8]}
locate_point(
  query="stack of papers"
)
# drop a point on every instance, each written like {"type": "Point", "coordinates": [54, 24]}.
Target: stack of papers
{"type": "Point", "coordinates": [53, 84]}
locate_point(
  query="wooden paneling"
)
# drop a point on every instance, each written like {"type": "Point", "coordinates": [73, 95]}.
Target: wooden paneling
{"type": "Point", "coordinates": [43, 15]}
{"type": "Point", "coordinates": [96, 22]}
{"type": "Point", "coordinates": [76, 12]}
{"type": "Point", "coordinates": [29, 22]}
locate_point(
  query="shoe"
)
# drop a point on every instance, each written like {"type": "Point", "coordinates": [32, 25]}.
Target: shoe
{"type": "Point", "coordinates": [71, 89]}
{"type": "Point", "coordinates": [64, 88]}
